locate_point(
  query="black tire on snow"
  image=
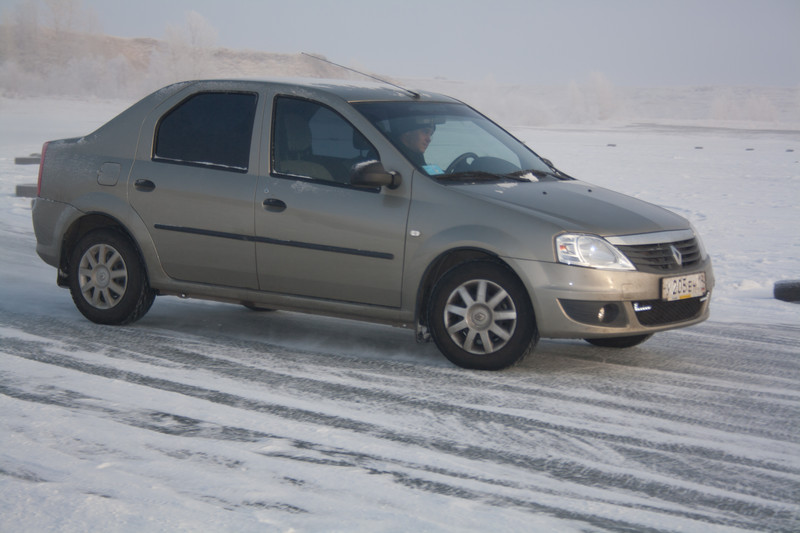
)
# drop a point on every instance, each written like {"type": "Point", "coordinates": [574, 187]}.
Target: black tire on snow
{"type": "Point", "coordinates": [480, 316]}
{"type": "Point", "coordinates": [787, 290]}
{"type": "Point", "coordinates": [619, 342]}
{"type": "Point", "coordinates": [107, 278]}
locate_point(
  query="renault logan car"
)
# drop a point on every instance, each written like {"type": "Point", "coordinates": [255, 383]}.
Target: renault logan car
{"type": "Point", "coordinates": [362, 201]}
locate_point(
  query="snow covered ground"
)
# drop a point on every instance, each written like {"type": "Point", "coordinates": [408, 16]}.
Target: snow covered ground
{"type": "Point", "coordinates": [204, 416]}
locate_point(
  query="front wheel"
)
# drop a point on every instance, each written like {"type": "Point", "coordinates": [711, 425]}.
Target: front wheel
{"type": "Point", "coordinates": [107, 280]}
{"type": "Point", "coordinates": [480, 317]}
{"type": "Point", "coordinates": [619, 342]}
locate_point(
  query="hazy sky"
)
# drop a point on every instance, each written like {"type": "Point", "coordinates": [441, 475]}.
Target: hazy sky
{"type": "Point", "coordinates": [631, 42]}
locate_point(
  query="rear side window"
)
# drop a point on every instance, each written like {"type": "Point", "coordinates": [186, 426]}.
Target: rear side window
{"type": "Point", "coordinates": [208, 129]}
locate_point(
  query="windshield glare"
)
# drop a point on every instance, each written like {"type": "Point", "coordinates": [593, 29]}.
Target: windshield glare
{"type": "Point", "coordinates": [448, 140]}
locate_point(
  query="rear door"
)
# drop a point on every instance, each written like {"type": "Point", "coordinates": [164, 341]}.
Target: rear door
{"type": "Point", "coordinates": [193, 184]}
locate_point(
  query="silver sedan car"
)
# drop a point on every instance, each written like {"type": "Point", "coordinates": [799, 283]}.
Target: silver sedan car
{"type": "Point", "coordinates": [362, 201]}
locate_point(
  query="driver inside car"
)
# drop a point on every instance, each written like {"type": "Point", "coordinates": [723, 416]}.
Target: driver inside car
{"type": "Point", "coordinates": [415, 136]}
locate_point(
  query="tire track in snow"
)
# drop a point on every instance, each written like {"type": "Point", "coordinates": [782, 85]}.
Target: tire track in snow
{"type": "Point", "coordinates": [570, 470]}
{"type": "Point", "coordinates": [656, 402]}
{"type": "Point", "coordinates": [403, 472]}
{"type": "Point", "coordinates": [362, 392]}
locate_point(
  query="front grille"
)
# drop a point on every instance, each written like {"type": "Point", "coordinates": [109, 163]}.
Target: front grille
{"type": "Point", "coordinates": [661, 257]}
{"type": "Point", "coordinates": [658, 312]}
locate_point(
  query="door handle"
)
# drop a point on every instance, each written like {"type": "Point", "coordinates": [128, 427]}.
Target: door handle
{"type": "Point", "coordinates": [144, 185]}
{"type": "Point", "coordinates": [274, 205]}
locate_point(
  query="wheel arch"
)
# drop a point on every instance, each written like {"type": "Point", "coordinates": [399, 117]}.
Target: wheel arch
{"type": "Point", "coordinates": [82, 226]}
{"type": "Point", "coordinates": [445, 262]}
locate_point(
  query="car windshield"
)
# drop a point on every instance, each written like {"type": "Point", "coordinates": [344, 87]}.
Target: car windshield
{"type": "Point", "coordinates": [453, 142]}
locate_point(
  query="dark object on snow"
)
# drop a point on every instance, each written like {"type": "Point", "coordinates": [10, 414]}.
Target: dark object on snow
{"type": "Point", "coordinates": [33, 159]}
{"type": "Point", "coordinates": [26, 191]}
{"type": "Point", "coordinates": [787, 290]}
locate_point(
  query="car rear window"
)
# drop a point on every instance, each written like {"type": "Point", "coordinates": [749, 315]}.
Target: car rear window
{"type": "Point", "coordinates": [208, 129]}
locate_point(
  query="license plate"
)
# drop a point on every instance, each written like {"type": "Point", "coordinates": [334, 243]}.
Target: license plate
{"type": "Point", "coordinates": [682, 287]}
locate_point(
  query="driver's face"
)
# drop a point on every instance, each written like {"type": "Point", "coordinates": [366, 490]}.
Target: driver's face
{"type": "Point", "coordinates": [418, 140]}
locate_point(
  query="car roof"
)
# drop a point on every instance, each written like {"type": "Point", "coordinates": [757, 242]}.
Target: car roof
{"type": "Point", "coordinates": [348, 90]}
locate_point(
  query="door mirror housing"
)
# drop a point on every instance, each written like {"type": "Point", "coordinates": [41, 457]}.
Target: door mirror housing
{"type": "Point", "coordinates": [372, 174]}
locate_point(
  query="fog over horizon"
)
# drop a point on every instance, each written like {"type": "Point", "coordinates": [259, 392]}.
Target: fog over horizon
{"type": "Point", "coordinates": [546, 42]}
{"type": "Point", "coordinates": [535, 63]}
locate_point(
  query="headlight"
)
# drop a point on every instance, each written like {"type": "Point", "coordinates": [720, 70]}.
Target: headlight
{"type": "Point", "coordinates": [590, 251]}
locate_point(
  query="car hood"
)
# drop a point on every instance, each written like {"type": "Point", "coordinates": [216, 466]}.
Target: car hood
{"type": "Point", "coordinates": [578, 206]}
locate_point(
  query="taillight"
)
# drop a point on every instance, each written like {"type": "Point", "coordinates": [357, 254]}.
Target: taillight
{"type": "Point", "coordinates": [41, 168]}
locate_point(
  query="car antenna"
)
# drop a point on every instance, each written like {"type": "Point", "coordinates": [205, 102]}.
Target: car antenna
{"type": "Point", "coordinates": [414, 94]}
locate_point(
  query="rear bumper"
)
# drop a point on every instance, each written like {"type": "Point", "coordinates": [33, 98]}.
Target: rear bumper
{"type": "Point", "coordinates": [576, 302]}
{"type": "Point", "coordinates": [50, 221]}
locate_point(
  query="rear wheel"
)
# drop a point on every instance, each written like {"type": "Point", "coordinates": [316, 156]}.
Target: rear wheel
{"type": "Point", "coordinates": [107, 279]}
{"type": "Point", "coordinates": [480, 317]}
{"type": "Point", "coordinates": [619, 342]}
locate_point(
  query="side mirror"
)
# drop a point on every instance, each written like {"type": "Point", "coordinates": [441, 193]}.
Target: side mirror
{"type": "Point", "coordinates": [372, 174]}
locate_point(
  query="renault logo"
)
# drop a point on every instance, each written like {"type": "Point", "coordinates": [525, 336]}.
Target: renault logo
{"type": "Point", "coordinates": [676, 255]}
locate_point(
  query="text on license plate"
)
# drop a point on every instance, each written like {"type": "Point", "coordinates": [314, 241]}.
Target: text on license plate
{"type": "Point", "coordinates": [682, 287]}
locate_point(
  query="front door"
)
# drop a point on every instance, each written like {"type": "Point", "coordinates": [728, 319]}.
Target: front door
{"type": "Point", "coordinates": [316, 235]}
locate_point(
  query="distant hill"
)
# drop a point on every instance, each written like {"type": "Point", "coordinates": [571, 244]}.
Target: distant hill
{"type": "Point", "coordinates": [49, 62]}
{"type": "Point", "coordinates": [41, 61]}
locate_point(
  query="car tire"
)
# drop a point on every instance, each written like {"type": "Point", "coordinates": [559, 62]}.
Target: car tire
{"type": "Point", "coordinates": [480, 316]}
{"type": "Point", "coordinates": [107, 279]}
{"type": "Point", "coordinates": [787, 290]}
{"type": "Point", "coordinates": [619, 342]}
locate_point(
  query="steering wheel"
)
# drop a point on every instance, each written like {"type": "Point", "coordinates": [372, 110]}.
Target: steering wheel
{"type": "Point", "coordinates": [460, 160]}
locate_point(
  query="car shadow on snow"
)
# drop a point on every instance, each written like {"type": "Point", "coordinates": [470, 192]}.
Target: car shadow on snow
{"type": "Point", "coordinates": [291, 331]}
{"type": "Point", "coordinates": [353, 339]}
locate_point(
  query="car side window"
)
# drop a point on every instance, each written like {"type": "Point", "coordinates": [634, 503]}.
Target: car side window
{"type": "Point", "coordinates": [212, 129]}
{"type": "Point", "coordinates": [311, 140]}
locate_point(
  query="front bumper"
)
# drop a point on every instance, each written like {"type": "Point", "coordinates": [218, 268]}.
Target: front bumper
{"type": "Point", "coordinates": [577, 302]}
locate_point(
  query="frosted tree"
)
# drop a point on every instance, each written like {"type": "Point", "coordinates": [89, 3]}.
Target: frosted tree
{"type": "Point", "coordinates": [21, 33]}
{"type": "Point", "coordinates": [69, 25]}
{"type": "Point", "coordinates": [63, 14]}
{"type": "Point", "coordinates": [576, 103]}
{"type": "Point", "coordinates": [604, 96]}
{"type": "Point", "coordinates": [595, 100]}
{"type": "Point", "coordinates": [188, 49]}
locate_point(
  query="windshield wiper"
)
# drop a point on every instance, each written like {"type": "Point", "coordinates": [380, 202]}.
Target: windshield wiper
{"type": "Point", "coordinates": [473, 175]}
{"type": "Point", "coordinates": [534, 172]}
{"type": "Point", "coordinates": [525, 176]}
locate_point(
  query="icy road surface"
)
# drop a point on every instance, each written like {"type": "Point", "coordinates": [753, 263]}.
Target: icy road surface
{"type": "Point", "coordinates": [210, 417]}
{"type": "Point", "coordinates": [188, 421]}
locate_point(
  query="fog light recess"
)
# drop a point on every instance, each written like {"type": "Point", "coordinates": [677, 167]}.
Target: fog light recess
{"type": "Point", "coordinates": [595, 313]}
{"type": "Point", "coordinates": [608, 314]}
